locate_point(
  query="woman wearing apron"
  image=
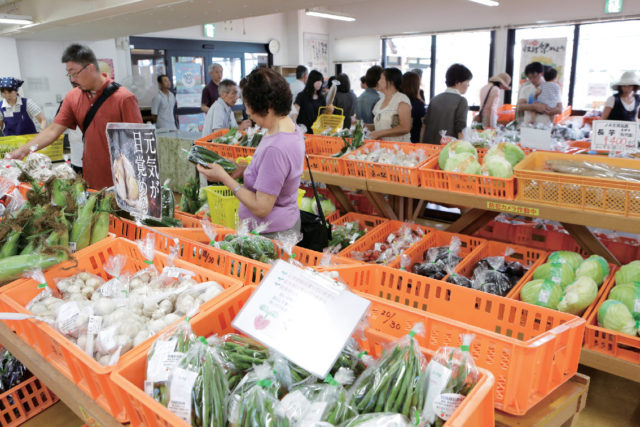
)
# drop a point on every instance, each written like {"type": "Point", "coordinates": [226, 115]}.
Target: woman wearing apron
{"type": "Point", "coordinates": [18, 114]}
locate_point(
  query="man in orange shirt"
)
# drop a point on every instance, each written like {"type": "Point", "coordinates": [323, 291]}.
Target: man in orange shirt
{"type": "Point", "coordinates": [95, 95]}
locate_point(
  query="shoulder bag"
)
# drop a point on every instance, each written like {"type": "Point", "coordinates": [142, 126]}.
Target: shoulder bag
{"type": "Point", "coordinates": [316, 230]}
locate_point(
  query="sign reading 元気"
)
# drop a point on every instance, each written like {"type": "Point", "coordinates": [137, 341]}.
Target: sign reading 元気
{"type": "Point", "coordinates": [614, 135]}
{"type": "Point", "coordinates": [134, 167]}
{"type": "Point", "coordinates": [303, 315]}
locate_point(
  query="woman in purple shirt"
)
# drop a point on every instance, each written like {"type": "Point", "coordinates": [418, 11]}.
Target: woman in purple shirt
{"type": "Point", "coordinates": [271, 181]}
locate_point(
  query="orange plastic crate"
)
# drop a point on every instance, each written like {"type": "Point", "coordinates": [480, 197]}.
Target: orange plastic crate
{"type": "Point", "coordinates": [90, 376]}
{"type": "Point", "coordinates": [434, 239]}
{"type": "Point", "coordinates": [609, 196]}
{"type": "Point", "coordinates": [231, 152]}
{"type": "Point", "coordinates": [24, 401]}
{"type": "Point", "coordinates": [364, 221]}
{"type": "Point", "coordinates": [529, 258]}
{"type": "Point", "coordinates": [386, 172]}
{"type": "Point", "coordinates": [433, 177]}
{"type": "Point", "coordinates": [320, 150]}
{"type": "Point", "coordinates": [606, 341]}
{"type": "Point", "coordinates": [530, 350]}
{"type": "Point", "coordinates": [475, 410]}
{"type": "Point", "coordinates": [333, 216]}
{"type": "Point", "coordinates": [379, 234]}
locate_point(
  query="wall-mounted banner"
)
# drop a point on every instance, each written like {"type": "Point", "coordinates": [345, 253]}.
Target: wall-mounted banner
{"type": "Point", "coordinates": [134, 167]}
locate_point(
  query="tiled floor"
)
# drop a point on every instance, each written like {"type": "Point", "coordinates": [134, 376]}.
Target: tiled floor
{"type": "Point", "coordinates": [612, 402]}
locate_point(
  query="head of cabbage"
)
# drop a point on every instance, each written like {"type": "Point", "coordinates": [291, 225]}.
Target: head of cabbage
{"type": "Point", "coordinates": [544, 293]}
{"type": "Point", "coordinates": [594, 267]}
{"type": "Point", "coordinates": [463, 163]}
{"type": "Point", "coordinates": [616, 316]}
{"type": "Point", "coordinates": [578, 295]}
{"type": "Point", "coordinates": [628, 273]}
{"type": "Point", "coordinates": [497, 166]}
{"type": "Point", "coordinates": [327, 207]}
{"type": "Point", "coordinates": [557, 272]}
{"type": "Point", "coordinates": [572, 258]}
{"type": "Point", "coordinates": [455, 147]}
{"type": "Point", "coordinates": [629, 295]}
{"type": "Point", "coordinates": [307, 204]}
{"type": "Point", "coordinates": [507, 150]}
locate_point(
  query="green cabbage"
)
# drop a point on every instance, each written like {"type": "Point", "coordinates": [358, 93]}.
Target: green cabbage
{"type": "Point", "coordinates": [571, 258]}
{"type": "Point", "coordinates": [463, 163]}
{"type": "Point", "coordinates": [578, 295]}
{"type": "Point", "coordinates": [616, 316]}
{"type": "Point", "coordinates": [455, 147]}
{"type": "Point", "coordinates": [544, 293]}
{"type": "Point", "coordinates": [307, 204]}
{"type": "Point", "coordinates": [498, 167]}
{"type": "Point", "coordinates": [327, 207]}
{"type": "Point", "coordinates": [628, 273]}
{"type": "Point", "coordinates": [557, 272]}
{"type": "Point", "coordinates": [629, 295]}
{"type": "Point", "coordinates": [507, 150]}
{"type": "Point", "coordinates": [595, 267]}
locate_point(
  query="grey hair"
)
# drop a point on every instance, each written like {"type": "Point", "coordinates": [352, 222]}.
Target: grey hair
{"type": "Point", "coordinates": [213, 67]}
{"type": "Point", "coordinates": [226, 85]}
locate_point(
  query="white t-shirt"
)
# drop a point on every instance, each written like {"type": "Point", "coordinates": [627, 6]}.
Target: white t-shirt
{"type": "Point", "coordinates": [528, 90]}
{"type": "Point", "coordinates": [610, 102]}
{"type": "Point", "coordinates": [387, 117]}
{"type": "Point", "coordinates": [296, 87]}
{"type": "Point", "coordinates": [76, 144]}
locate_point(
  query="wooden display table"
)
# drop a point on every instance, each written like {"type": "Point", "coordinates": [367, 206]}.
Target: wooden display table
{"type": "Point", "coordinates": [611, 365]}
{"type": "Point", "coordinates": [560, 408]}
{"type": "Point", "coordinates": [407, 202]}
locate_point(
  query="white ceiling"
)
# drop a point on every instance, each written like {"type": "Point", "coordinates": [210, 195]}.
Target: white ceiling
{"type": "Point", "coordinates": [102, 19]}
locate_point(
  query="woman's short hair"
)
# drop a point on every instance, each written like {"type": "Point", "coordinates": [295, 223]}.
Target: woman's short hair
{"type": "Point", "coordinates": [411, 84]}
{"type": "Point", "coordinates": [457, 73]}
{"type": "Point", "coordinates": [393, 76]}
{"type": "Point", "coordinates": [266, 89]}
{"type": "Point", "coordinates": [345, 84]}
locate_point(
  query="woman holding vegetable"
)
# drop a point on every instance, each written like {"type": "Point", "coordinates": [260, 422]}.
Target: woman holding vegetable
{"type": "Point", "coordinates": [271, 181]}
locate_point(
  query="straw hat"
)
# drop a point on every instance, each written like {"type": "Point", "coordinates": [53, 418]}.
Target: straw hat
{"type": "Point", "coordinates": [503, 78]}
{"type": "Point", "coordinates": [629, 78]}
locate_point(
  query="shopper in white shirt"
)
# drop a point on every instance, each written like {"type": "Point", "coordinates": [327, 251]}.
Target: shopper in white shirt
{"type": "Point", "coordinates": [220, 115]}
{"type": "Point", "coordinates": [163, 105]}
{"type": "Point", "coordinates": [392, 113]}
{"type": "Point", "coordinates": [299, 83]}
{"type": "Point", "coordinates": [19, 114]}
{"type": "Point", "coordinates": [527, 94]}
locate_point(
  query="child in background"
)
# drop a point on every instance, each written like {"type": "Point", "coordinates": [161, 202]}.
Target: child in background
{"type": "Point", "coordinates": [548, 92]}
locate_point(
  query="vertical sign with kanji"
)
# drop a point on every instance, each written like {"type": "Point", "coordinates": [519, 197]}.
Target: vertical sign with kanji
{"type": "Point", "coordinates": [135, 170]}
{"type": "Point", "coordinates": [614, 135]}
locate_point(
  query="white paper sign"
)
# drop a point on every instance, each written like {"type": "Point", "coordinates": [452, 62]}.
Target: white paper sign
{"type": "Point", "coordinates": [614, 135]}
{"type": "Point", "coordinates": [303, 315]}
{"type": "Point", "coordinates": [540, 139]}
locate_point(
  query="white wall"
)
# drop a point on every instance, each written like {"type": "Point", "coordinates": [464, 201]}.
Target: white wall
{"type": "Point", "coordinates": [9, 66]}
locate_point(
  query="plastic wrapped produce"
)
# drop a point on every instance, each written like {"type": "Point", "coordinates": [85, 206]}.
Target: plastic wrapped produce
{"type": "Point", "coordinates": [12, 372]}
{"type": "Point", "coordinates": [616, 316]}
{"type": "Point", "coordinates": [249, 244]}
{"type": "Point", "coordinates": [629, 295]}
{"type": "Point", "coordinates": [542, 292]}
{"type": "Point", "coordinates": [390, 156]}
{"type": "Point", "coordinates": [628, 273]}
{"type": "Point", "coordinates": [345, 234]}
{"type": "Point", "coordinates": [395, 243]}
{"type": "Point", "coordinates": [439, 261]}
{"type": "Point", "coordinates": [239, 355]}
{"type": "Point", "coordinates": [455, 147]}
{"type": "Point", "coordinates": [578, 295]}
{"type": "Point", "coordinates": [383, 419]}
{"type": "Point", "coordinates": [567, 257]}
{"type": "Point", "coordinates": [592, 169]}
{"type": "Point", "coordinates": [558, 272]}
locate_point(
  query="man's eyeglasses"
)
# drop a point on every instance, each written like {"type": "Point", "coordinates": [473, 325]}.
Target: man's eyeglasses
{"type": "Point", "coordinates": [74, 75]}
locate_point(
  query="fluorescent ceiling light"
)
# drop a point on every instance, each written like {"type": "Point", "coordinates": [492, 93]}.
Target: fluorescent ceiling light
{"type": "Point", "coordinates": [15, 19]}
{"type": "Point", "coordinates": [487, 2]}
{"type": "Point", "coordinates": [329, 15]}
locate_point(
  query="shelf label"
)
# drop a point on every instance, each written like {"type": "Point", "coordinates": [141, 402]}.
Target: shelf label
{"type": "Point", "coordinates": [302, 314]}
{"type": "Point", "coordinates": [514, 209]}
{"type": "Point", "coordinates": [614, 135]}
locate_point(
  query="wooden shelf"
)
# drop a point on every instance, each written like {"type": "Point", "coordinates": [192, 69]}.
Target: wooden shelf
{"type": "Point", "coordinates": [611, 365]}
{"type": "Point", "coordinates": [559, 408]}
{"type": "Point", "coordinates": [81, 404]}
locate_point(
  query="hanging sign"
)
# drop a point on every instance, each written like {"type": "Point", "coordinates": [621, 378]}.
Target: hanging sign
{"type": "Point", "coordinates": [614, 135]}
{"type": "Point", "coordinates": [612, 6]}
{"type": "Point", "coordinates": [134, 167]}
{"type": "Point", "coordinates": [303, 315]}
{"type": "Point", "coordinates": [552, 52]}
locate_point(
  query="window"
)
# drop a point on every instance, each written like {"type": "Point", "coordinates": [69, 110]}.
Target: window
{"type": "Point", "coordinates": [613, 42]}
{"type": "Point", "coordinates": [253, 60]}
{"type": "Point", "coordinates": [408, 53]}
{"type": "Point", "coordinates": [231, 67]}
{"type": "Point", "coordinates": [355, 70]}
{"type": "Point", "coordinates": [564, 70]}
{"type": "Point", "coordinates": [470, 49]}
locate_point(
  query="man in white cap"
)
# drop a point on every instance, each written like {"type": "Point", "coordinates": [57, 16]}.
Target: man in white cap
{"type": "Point", "coordinates": [624, 104]}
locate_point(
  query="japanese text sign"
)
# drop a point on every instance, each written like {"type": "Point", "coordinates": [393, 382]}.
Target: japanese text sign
{"type": "Point", "coordinates": [614, 135]}
{"type": "Point", "coordinates": [135, 169]}
{"type": "Point", "coordinates": [303, 315]}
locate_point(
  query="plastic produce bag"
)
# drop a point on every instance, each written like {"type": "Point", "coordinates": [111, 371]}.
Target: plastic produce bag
{"type": "Point", "coordinates": [451, 375]}
{"type": "Point", "coordinates": [594, 267]}
{"type": "Point", "coordinates": [286, 242]}
{"type": "Point", "coordinates": [560, 273]}
{"type": "Point", "coordinates": [383, 419]}
{"type": "Point", "coordinates": [147, 247]}
{"type": "Point", "coordinates": [629, 295]}
{"type": "Point", "coordinates": [578, 295]}
{"type": "Point", "coordinates": [567, 257]}
{"type": "Point", "coordinates": [395, 383]}
{"type": "Point", "coordinates": [628, 273]}
{"type": "Point", "coordinates": [351, 357]}
{"type": "Point", "coordinates": [165, 353]}
{"type": "Point", "coordinates": [12, 372]}
{"type": "Point", "coordinates": [239, 355]}
{"type": "Point", "coordinates": [616, 316]}
{"type": "Point", "coordinates": [249, 244]}
{"type": "Point", "coordinates": [198, 388]}
{"type": "Point", "coordinates": [289, 374]}
{"type": "Point", "coordinates": [542, 292]}
{"type": "Point", "coordinates": [440, 260]}
{"type": "Point", "coordinates": [394, 245]}
{"type": "Point", "coordinates": [345, 234]}
{"type": "Point", "coordinates": [118, 285]}
{"type": "Point", "coordinates": [321, 402]}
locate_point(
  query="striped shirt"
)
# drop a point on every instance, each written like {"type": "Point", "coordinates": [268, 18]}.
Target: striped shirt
{"type": "Point", "coordinates": [32, 108]}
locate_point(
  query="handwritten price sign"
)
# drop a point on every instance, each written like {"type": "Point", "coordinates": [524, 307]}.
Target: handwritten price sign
{"type": "Point", "coordinates": [614, 135]}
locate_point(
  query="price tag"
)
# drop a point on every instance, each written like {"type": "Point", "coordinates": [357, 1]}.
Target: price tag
{"type": "Point", "coordinates": [446, 404]}
{"type": "Point", "coordinates": [94, 325]}
{"type": "Point", "coordinates": [540, 139]}
{"type": "Point", "coordinates": [176, 272]}
{"type": "Point", "coordinates": [180, 393]}
{"type": "Point", "coordinates": [614, 135]}
{"type": "Point", "coordinates": [303, 315]}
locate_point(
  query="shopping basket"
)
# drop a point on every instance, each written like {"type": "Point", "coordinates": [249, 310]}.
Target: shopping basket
{"type": "Point", "coordinates": [332, 122]}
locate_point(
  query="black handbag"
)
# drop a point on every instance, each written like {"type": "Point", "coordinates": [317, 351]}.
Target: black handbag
{"type": "Point", "coordinates": [316, 230]}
